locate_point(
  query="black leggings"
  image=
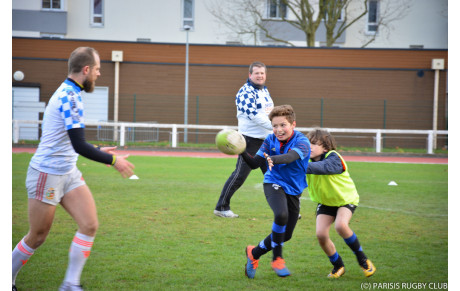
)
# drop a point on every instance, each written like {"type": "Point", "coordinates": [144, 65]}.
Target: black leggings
{"type": "Point", "coordinates": [286, 210]}
{"type": "Point", "coordinates": [285, 207]}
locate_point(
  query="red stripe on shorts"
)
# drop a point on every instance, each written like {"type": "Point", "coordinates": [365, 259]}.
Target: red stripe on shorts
{"type": "Point", "coordinates": [41, 185]}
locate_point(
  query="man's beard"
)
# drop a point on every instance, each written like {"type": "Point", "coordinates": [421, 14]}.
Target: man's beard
{"type": "Point", "coordinates": [88, 86]}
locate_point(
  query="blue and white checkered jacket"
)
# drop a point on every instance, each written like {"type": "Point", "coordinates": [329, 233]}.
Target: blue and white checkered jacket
{"type": "Point", "coordinates": [253, 106]}
{"type": "Point", "coordinates": [55, 154]}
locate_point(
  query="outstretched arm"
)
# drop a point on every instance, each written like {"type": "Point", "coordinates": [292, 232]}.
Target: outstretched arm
{"type": "Point", "coordinates": [105, 155]}
{"type": "Point", "coordinates": [253, 162]}
{"type": "Point", "coordinates": [329, 166]}
{"type": "Point", "coordinates": [282, 159]}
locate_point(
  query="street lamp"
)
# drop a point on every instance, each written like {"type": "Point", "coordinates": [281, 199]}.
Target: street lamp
{"type": "Point", "coordinates": [187, 29]}
{"type": "Point", "coordinates": [436, 65]}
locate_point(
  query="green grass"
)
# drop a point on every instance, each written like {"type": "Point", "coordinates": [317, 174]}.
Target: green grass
{"type": "Point", "coordinates": [159, 233]}
{"type": "Point", "coordinates": [212, 146]}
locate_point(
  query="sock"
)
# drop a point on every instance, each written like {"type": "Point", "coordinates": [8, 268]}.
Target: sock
{"type": "Point", "coordinates": [262, 248]}
{"type": "Point", "coordinates": [336, 260]}
{"type": "Point", "coordinates": [21, 255]}
{"type": "Point", "coordinates": [354, 245]}
{"type": "Point", "coordinates": [277, 240]}
{"type": "Point", "coordinates": [80, 248]}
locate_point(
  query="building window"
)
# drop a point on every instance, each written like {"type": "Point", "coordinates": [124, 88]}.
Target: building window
{"type": "Point", "coordinates": [373, 17]}
{"type": "Point", "coordinates": [52, 4]}
{"type": "Point", "coordinates": [97, 13]}
{"type": "Point", "coordinates": [276, 9]}
{"type": "Point", "coordinates": [187, 14]}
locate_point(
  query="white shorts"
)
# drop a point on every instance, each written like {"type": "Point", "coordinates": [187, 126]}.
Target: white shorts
{"type": "Point", "coordinates": [50, 188]}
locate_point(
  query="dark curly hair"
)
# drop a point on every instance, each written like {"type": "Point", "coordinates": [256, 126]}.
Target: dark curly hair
{"type": "Point", "coordinates": [322, 137]}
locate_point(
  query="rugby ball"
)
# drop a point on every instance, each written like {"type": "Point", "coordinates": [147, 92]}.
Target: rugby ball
{"type": "Point", "coordinates": [230, 142]}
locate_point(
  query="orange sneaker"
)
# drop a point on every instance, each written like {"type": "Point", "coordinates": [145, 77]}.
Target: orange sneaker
{"type": "Point", "coordinates": [251, 264]}
{"type": "Point", "coordinates": [279, 266]}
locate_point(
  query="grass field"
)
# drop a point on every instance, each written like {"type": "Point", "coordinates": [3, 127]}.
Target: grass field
{"type": "Point", "coordinates": [159, 232]}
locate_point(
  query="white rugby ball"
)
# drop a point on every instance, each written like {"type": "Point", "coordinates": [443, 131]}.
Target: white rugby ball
{"type": "Point", "coordinates": [230, 142]}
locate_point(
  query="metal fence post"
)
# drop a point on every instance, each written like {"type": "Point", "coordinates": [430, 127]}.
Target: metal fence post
{"type": "Point", "coordinates": [122, 134]}
{"type": "Point", "coordinates": [430, 142]}
{"type": "Point", "coordinates": [378, 142]}
{"type": "Point", "coordinates": [174, 136]}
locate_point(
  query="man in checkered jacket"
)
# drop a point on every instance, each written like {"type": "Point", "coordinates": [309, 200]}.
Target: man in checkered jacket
{"type": "Point", "coordinates": [253, 104]}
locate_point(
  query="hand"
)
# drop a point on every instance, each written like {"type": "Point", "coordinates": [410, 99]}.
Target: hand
{"type": "Point", "coordinates": [124, 166]}
{"type": "Point", "coordinates": [269, 161]}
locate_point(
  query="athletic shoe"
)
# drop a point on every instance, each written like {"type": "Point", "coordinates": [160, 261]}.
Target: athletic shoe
{"type": "Point", "coordinates": [226, 213]}
{"type": "Point", "coordinates": [279, 266]}
{"type": "Point", "coordinates": [68, 287]}
{"type": "Point", "coordinates": [337, 272]}
{"type": "Point", "coordinates": [368, 268]}
{"type": "Point", "coordinates": [251, 264]}
{"type": "Point", "coordinates": [14, 288]}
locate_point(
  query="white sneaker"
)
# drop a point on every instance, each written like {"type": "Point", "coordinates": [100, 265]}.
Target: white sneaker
{"type": "Point", "coordinates": [67, 287]}
{"type": "Point", "coordinates": [226, 213]}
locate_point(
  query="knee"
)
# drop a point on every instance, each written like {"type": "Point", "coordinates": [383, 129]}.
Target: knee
{"type": "Point", "coordinates": [281, 218]}
{"type": "Point", "coordinates": [36, 239]}
{"type": "Point", "coordinates": [322, 237]}
{"type": "Point", "coordinates": [90, 228]}
{"type": "Point", "coordinates": [342, 228]}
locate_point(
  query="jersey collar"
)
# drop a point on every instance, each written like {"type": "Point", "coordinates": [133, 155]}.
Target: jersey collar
{"type": "Point", "coordinates": [78, 87]}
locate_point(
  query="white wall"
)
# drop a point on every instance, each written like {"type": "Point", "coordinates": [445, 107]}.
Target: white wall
{"type": "Point", "coordinates": [27, 4]}
{"type": "Point", "coordinates": [424, 24]}
{"type": "Point", "coordinates": [157, 20]}
{"type": "Point", "coordinates": [160, 21]}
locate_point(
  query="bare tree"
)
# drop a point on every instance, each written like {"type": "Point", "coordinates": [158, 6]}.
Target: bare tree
{"type": "Point", "coordinates": [240, 17]}
{"type": "Point", "coordinates": [251, 17]}
{"type": "Point", "coordinates": [336, 18]}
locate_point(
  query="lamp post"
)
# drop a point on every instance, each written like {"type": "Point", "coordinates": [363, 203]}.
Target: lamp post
{"type": "Point", "coordinates": [436, 65]}
{"type": "Point", "coordinates": [117, 58]}
{"type": "Point", "coordinates": [187, 29]}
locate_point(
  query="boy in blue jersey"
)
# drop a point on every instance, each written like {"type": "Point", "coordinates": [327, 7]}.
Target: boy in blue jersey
{"type": "Point", "coordinates": [287, 152]}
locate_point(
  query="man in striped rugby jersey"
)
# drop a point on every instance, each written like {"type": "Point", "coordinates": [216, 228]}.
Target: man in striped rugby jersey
{"type": "Point", "coordinates": [53, 177]}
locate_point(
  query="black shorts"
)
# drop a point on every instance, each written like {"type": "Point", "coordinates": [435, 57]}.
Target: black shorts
{"type": "Point", "coordinates": [332, 210]}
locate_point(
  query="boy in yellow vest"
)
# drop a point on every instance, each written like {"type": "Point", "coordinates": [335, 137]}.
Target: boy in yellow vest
{"type": "Point", "coordinates": [330, 185]}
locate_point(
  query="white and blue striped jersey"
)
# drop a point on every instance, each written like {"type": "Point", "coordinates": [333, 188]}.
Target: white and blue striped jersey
{"type": "Point", "coordinates": [55, 154]}
{"type": "Point", "coordinates": [253, 106]}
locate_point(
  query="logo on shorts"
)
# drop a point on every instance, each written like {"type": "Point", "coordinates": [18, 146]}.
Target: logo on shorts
{"type": "Point", "coordinates": [50, 194]}
{"type": "Point", "coordinates": [276, 186]}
